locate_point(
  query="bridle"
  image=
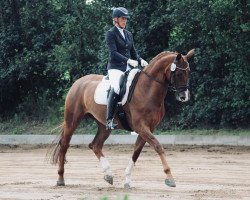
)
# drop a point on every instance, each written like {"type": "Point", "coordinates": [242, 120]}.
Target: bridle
{"type": "Point", "coordinates": [172, 85]}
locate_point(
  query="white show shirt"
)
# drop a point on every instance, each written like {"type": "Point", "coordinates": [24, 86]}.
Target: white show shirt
{"type": "Point", "coordinates": [121, 31]}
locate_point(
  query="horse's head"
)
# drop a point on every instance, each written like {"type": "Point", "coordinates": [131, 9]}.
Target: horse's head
{"type": "Point", "coordinates": [179, 76]}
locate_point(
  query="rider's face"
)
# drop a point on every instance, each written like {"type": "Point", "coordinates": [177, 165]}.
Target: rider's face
{"type": "Point", "coordinates": [122, 21]}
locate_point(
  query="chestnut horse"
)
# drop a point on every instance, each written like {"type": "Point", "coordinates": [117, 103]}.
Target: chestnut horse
{"type": "Point", "coordinates": [144, 112]}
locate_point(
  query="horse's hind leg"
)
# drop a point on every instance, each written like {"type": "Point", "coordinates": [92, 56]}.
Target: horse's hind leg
{"type": "Point", "coordinates": [63, 145]}
{"type": "Point", "coordinates": [139, 144]}
{"type": "Point", "coordinates": [96, 145]}
{"type": "Point", "coordinates": [70, 124]}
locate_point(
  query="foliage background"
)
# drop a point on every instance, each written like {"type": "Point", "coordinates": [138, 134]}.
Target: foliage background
{"type": "Point", "coordinates": [46, 45]}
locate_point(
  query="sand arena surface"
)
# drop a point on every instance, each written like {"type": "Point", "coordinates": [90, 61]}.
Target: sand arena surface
{"type": "Point", "coordinates": [211, 172]}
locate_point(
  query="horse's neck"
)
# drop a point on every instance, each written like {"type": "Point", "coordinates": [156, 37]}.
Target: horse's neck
{"type": "Point", "coordinates": [157, 72]}
{"type": "Point", "coordinates": [160, 71]}
{"type": "Point", "coordinates": [156, 86]}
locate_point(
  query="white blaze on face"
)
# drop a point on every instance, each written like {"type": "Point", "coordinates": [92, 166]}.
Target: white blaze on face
{"type": "Point", "coordinates": [185, 97]}
{"type": "Point", "coordinates": [128, 171]}
{"type": "Point", "coordinates": [105, 166]}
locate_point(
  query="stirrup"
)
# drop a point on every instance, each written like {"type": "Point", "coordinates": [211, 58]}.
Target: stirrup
{"type": "Point", "coordinates": [110, 125]}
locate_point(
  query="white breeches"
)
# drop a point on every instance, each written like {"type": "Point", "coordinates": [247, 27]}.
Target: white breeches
{"type": "Point", "coordinates": [114, 79]}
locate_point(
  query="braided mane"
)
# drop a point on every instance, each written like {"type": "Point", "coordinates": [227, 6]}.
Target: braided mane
{"type": "Point", "coordinates": [160, 55]}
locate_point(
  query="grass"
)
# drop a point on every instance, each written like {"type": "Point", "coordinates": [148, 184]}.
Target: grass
{"type": "Point", "coordinates": [240, 132]}
{"type": "Point", "coordinates": [50, 127]}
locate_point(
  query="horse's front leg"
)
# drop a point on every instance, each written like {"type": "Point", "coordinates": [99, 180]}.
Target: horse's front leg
{"type": "Point", "coordinates": [150, 138]}
{"type": "Point", "coordinates": [139, 144]}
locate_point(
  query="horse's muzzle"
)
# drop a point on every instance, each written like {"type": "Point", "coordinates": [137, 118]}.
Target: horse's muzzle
{"type": "Point", "coordinates": [183, 96]}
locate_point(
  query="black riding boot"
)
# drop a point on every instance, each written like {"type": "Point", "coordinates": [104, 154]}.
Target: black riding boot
{"type": "Point", "coordinates": [111, 106]}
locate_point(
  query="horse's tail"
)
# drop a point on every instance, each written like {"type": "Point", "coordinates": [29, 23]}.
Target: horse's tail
{"type": "Point", "coordinates": [54, 148]}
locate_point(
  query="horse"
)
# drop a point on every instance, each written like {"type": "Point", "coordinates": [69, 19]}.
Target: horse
{"type": "Point", "coordinates": [144, 112]}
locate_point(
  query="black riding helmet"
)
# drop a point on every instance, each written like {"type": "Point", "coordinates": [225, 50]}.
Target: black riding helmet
{"type": "Point", "coordinates": [120, 12]}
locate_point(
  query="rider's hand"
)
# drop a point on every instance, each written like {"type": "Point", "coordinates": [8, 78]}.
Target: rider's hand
{"type": "Point", "coordinates": [144, 63]}
{"type": "Point", "coordinates": [133, 63]}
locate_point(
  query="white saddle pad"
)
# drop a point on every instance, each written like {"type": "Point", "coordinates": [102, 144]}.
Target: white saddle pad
{"type": "Point", "coordinates": [101, 91]}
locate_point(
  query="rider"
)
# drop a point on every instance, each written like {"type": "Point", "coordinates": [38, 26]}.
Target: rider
{"type": "Point", "coordinates": [122, 56]}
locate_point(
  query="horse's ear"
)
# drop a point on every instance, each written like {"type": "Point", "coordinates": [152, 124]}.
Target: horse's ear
{"type": "Point", "coordinates": [178, 57]}
{"type": "Point", "coordinates": [190, 53]}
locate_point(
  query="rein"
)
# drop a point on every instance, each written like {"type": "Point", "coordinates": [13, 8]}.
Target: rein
{"type": "Point", "coordinates": [172, 85]}
{"type": "Point", "coordinates": [153, 78]}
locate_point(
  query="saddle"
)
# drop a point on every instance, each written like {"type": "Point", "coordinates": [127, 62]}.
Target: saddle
{"type": "Point", "coordinates": [127, 86]}
{"type": "Point", "coordinates": [127, 83]}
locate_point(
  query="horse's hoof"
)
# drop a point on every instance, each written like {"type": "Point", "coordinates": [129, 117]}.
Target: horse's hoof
{"type": "Point", "coordinates": [126, 186]}
{"type": "Point", "coordinates": [109, 179]}
{"type": "Point", "coordinates": [60, 183]}
{"type": "Point", "coordinates": [170, 182]}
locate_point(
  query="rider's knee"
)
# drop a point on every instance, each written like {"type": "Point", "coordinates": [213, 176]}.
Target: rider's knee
{"type": "Point", "coordinates": [117, 89]}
